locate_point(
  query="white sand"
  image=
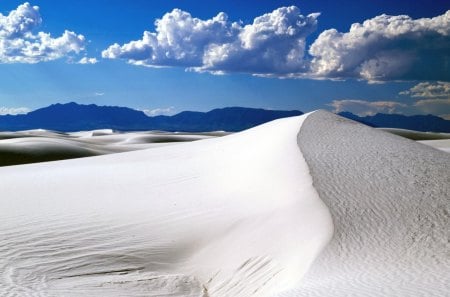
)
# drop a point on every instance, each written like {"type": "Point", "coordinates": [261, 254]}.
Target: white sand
{"type": "Point", "coordinates": [441, 144]}
{"type": "Point", "coordinates": [390, 202]}
{"type": "Point", "coordinates": [43, 145]}
{"type": "Point", "coordinates": [232, 216]}
{"type": "Point", "coordinates": [416, 135]}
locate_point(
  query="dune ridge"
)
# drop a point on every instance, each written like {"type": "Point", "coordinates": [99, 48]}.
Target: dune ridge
{"type": "Point", "coordinates": [390, 202]}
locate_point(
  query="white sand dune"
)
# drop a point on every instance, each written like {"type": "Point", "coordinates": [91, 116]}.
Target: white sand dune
{"type": "Point", "coordinates": [232, 216]}
{"type": "Point", "coordinates": [417, 135]}
{"type": "Point", "coordinates": [390, 202]}
{"type": "Point", "coordinates": [440, 144]}
{"type": "Point", "coordinates": [42, 145]}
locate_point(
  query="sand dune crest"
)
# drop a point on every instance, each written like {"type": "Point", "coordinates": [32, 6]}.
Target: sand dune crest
{"type": "Point", "coordinates": [390, 202]}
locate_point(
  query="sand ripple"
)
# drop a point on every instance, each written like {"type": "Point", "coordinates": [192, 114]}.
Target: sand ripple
{"type": "Point", "coordinates": [390, 202]}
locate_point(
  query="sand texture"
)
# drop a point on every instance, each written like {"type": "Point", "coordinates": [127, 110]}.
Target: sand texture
{"type": "Point", "coordinates": [390, 202]}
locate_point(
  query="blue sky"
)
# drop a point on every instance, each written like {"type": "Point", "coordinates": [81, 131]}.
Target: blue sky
{"type": "Point", "coordinates": [269, 54]}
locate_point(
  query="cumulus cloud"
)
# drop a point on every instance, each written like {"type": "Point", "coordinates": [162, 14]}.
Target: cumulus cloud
{"type": "Point", "coordinates": [86, 60]}
{"type": "Point", "coordinates": [273, 43]}
{"type": "Point", "coordinates": [13, 110]}
{"type": "Point", "coordinates": [432, 97]}
{"type": "Point", "coordinates": [159, 111]}
{"type": "Point", "coordinates": [385, 48]}
{"type": "Point", "coordinates": [434, 106]}
{"type": "Point", "coordinates": [427, 98]}
{"type": "Point", "coordinates": [179, 40]}
{"type": "Point", "coordinates": [19, 43]}
{"type": "Point", "coordinates": [365, 108]}
{"type": "Point", "coordinates": [438, 89]}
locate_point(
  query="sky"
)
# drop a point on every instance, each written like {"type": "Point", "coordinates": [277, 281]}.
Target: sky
{"type": "Point", "coordinates": [165, 56]}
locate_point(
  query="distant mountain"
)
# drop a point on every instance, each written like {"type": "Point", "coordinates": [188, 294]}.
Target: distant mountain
{"type": "Point", "coordinates": [227, 119]}
{"type": "Point", "coordinates": [77, 117]}
{"type": "Point", "coordinates": [425, 123]}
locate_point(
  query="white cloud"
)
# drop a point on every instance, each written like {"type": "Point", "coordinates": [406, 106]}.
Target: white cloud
{"type": "Point", "coordinates": [179, 40]}
{"type": "Point", "coordinates": [428, 98]}
{"type": "Point", "coordinates": [273, 44]}
{"type": "Point", "coordinates": [440, 107]}
{"type": "Point", "coordinates": [13, 110]}
{"type": "Point", "coordinates": [364, 108]}
{"type": "Point", "coordinates": [429, 90]}
{"type": "Point", "coordinates": [86, 60]}
{"type": "Point", "coordinates": [159, 111]}
{"type": "Point", "coordinates": [19, 43]}
{"type": "Point", "coordinates": [436, 103]}
{"type": "Point", "coordinates": [434, 97]}
{"type": "Point", "coordinates": [385, 48]}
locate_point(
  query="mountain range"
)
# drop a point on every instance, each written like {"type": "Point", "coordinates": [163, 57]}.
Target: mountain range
{"type": "Point", "coordinates": [77, 117]}
{"type": "Point", "coordinates": [424, 123]}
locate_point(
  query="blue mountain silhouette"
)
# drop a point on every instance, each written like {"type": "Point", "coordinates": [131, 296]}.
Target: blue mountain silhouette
{"type": "Point", "coordinates": [77, 117]}
{"type": "Point", "coordinates": [425, 123]}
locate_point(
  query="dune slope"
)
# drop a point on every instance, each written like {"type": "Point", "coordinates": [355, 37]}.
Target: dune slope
{"type": "Point", "coordinates": [34, 146]}
{"type": "Point", "coordinates": [441, 144]}
{"type": "Point", "coordinates": [390, 202]}
{"type": "Point", "coordinates": [232, 216]}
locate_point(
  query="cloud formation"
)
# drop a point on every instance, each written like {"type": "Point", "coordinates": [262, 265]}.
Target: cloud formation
{"type": "Point", "coordinates": [159, 111]}
{"type": "Point", "coordinates": [13, 110]}
{"type": "Point", "coordinates": [432, 97]}
{"type": "Point", "coordinates": [179, 40]}
{"type": "Point", "coordinates": [437, 106]}
{"type": "Point", "coordinates": [434, 106]}
{"type": "Point", "coordinates": [273, 43]}
{"type": "Point", "coordinates": [438, 89]}
{"type": "Point", "coordinates": [427, 98]}
{"type": "Point", "coordinates": [86, 60]}
{"type": "Point", "coordinates": [380, 49]}
{"type": "Point", "coordinates": [20, 44]}
{"type": "Point", "coordinates": [385, 48]}
{"type": "Point", "coordinates": [366, 108]}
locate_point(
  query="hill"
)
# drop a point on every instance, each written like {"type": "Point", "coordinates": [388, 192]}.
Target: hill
{"type": "Point", "coordinates": [76, 117]}
{"type": "Point", "coordinates": [424, 123]}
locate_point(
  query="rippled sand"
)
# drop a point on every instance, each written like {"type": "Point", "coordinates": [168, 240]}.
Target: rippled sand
{"type": "Point", "coordinates": [390, 202]}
